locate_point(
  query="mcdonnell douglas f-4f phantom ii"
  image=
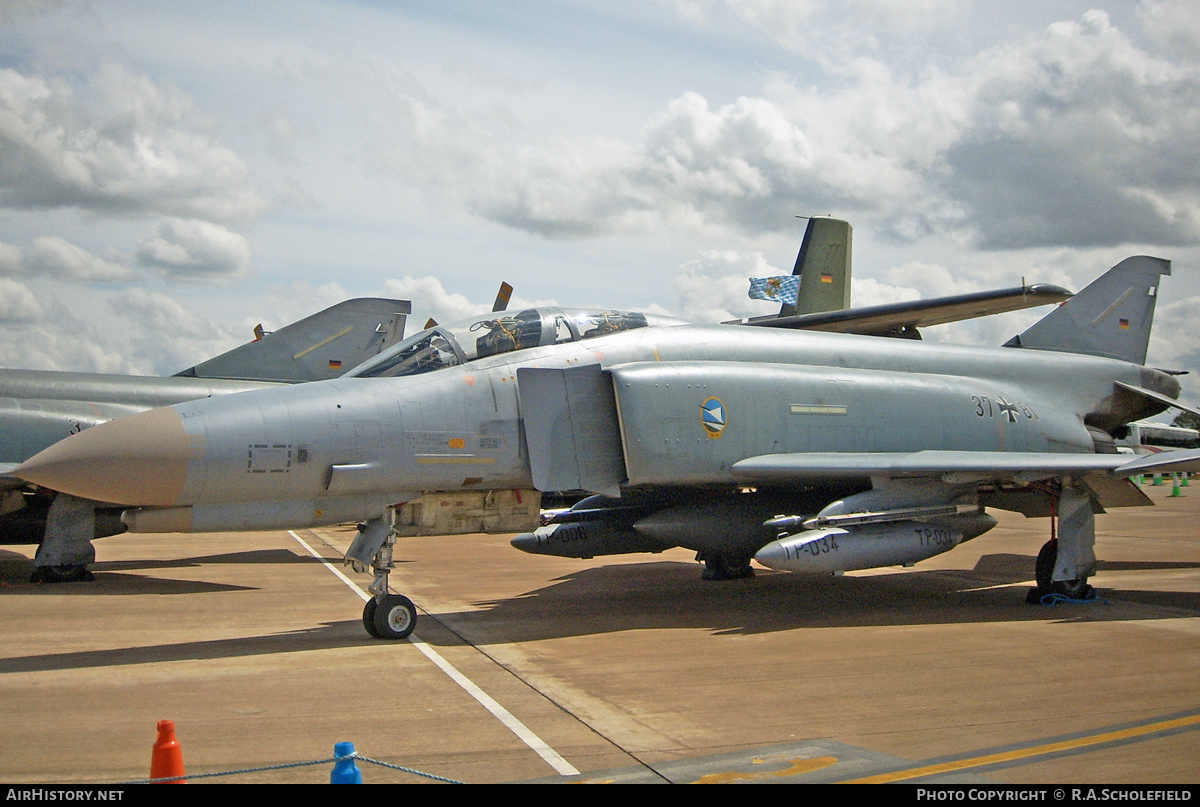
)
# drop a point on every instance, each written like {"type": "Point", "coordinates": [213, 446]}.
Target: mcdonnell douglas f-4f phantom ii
{"type": "Point", "coordinates": [810, 451]}
{"type": "Point", "coordinates": [38, 408]}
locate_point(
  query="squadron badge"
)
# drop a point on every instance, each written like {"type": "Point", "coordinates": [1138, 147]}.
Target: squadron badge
{"type": "Point", "coordinates": [712, 417]}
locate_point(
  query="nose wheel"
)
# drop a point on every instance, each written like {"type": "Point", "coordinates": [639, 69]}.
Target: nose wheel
{"type": "Point", "coordinates": [389, 616]}
{"type": "Point", "coordinates": [386, 615]}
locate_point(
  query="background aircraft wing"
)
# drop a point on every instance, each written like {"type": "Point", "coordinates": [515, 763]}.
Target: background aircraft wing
{"type": "Point", "coordinates": [903, 319]}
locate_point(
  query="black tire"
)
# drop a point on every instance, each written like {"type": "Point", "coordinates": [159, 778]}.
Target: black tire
{"type": "Point", "coordinates": [368, 618]}
{"type": "Point", "coordinates": [1077, 589]}
{"type": "Point", "coordinates": [395, 617]}
{"type": "Point", "coordinates": [1044, 568]}
{"type": "Point", "coordinates": [61, 574]}
{"type": "Point", "coordinates": [721, 567]}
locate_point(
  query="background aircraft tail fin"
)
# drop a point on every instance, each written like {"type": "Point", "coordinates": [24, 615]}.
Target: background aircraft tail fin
{"type": "Point", "coordinates": [823, 265]}
{"type": "Point", "coordinates": [1110, 317]}
{"type": "Point", "coordinates": [318, 347]}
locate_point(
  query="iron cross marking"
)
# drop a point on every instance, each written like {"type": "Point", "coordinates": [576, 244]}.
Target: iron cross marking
{"type": "Point", "coordinates": [1008, 409]}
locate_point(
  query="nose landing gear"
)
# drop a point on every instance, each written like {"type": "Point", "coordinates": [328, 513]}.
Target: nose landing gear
{"type": "Point", "coordinates": [386, 615]}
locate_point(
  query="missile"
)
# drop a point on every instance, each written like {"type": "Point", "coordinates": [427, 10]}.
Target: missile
{"type": "Point", "coordinates": [842, 549]}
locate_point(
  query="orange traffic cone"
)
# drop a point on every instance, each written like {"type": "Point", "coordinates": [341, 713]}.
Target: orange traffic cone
{"type": "Point", "coordinates": [167, 760]}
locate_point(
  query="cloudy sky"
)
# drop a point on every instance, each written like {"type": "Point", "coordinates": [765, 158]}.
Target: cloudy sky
{"type": "Point", "coordinates": [173, 173]}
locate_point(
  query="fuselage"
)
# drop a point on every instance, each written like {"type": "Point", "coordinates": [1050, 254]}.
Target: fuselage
{"type": "Point", "coordinates": [331, 451]}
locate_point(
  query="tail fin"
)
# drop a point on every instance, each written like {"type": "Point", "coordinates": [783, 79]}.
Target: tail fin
{"type": "Point", "coordinates": [824, 267]}
{"type": "Point", "coordinates": [1110, 317]}
{"type": "Point", "coordinates": [320, 346]}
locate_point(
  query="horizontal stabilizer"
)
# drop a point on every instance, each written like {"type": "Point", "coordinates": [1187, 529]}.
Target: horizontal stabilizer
{"type": "Point", "coordinates": [1164, 462]}
{"type": "Point", "coordinates": [1157, 397]}
{"type": "Point", "coordinates": [900, 319]}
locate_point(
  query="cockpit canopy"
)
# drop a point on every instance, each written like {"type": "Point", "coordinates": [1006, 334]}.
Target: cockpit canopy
{"type": "Point", "coordinates": [479, 337]}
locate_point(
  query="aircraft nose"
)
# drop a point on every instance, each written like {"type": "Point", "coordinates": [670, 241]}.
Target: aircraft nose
{"type": "Point", "coordinates": [137, 460]}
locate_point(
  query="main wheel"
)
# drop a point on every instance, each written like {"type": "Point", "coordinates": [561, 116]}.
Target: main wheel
{"type": "Point", "coordinates": [395, 617]}
{"type": "Point", "coordinates": [720, 567]}
{"type": "Point", "coordinates": [369, 618]}
{"type": "Point", "coordinates": [62, 574]}
{"type": "Point", "coordinates": [1077, 589]}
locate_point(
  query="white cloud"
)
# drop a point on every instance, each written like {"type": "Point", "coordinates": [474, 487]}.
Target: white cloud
{"type": "Point", "coordinates": [867, 291]}
{"type": "Point", "coordinates": [714, 286]}
{"type": "Point", "coordinates": [932, 280]}
{"type": "Point", "coordinates": [1073, 136]}
{"type": "Point", "coordinates": [45, 335]}
{"type": "Point", "coordinates": [10, 259]}
{"type": "Point", "coordinates": [738, 166]}
{"type": "Point", "coordinates": [162, 335]}
{"type": "Point", "coordinates": [1076, 137]}
{"type": "Point", "coordinates": [51, 255]}
{"type": "Point", "coordinates": [116, 143]}
{"type": "Point", "coordinates": [1175, 24]}
{"type": "Point", "coordinates": [819, 29]}
{"type": "Point", "coordinates": [191, 249]}
{"type": "Point", "coordinates": [430, 299]}
{"type": "Point", "coordinates": [17, 303]}
{"type": "Point", "coordinates": [289, 303]}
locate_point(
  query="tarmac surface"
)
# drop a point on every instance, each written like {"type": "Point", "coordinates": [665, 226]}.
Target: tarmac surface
{"type": "Point", "coordinates": [610, 670]}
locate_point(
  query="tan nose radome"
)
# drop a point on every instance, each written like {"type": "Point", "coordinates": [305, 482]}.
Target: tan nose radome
{"type": "Point", "coordinates": [137, 460]}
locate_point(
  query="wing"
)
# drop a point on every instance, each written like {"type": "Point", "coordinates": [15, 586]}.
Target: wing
{"type": "Point", "coordinates": [1106, 474]}
{"type": "Point", "coordinates": [902, 319]}
{"type": "Point", "coordinates": [960, 466]}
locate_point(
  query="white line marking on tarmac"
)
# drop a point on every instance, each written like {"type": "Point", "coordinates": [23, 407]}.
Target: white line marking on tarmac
{"type": "Point", "coordinates": [539, 746]}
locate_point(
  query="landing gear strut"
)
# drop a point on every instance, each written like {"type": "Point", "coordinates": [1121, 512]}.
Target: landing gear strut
{"type": "Point", "coordinates": [386, 615]}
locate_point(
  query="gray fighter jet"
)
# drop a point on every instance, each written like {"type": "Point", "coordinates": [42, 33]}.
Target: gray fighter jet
{"type": "Point", "coordinates": [39, 408]}
{"type": "Point", "coordinates": [808, 450]}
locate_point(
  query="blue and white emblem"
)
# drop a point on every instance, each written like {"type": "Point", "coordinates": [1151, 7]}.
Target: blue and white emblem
{"type": "Point", "coordinates": [712, 417]}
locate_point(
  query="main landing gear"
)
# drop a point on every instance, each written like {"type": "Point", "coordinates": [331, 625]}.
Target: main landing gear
{"type": "Point", "coordinates": [1076, 589]}
{"type": "Point", "coordinates": [724, 567]}
{"type": "Point", "coordinates": [386, 615]}
{"type": "Point", "coordinates": [1067, 560]}
{"type": "Point", "coordinates": [66, 573]}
